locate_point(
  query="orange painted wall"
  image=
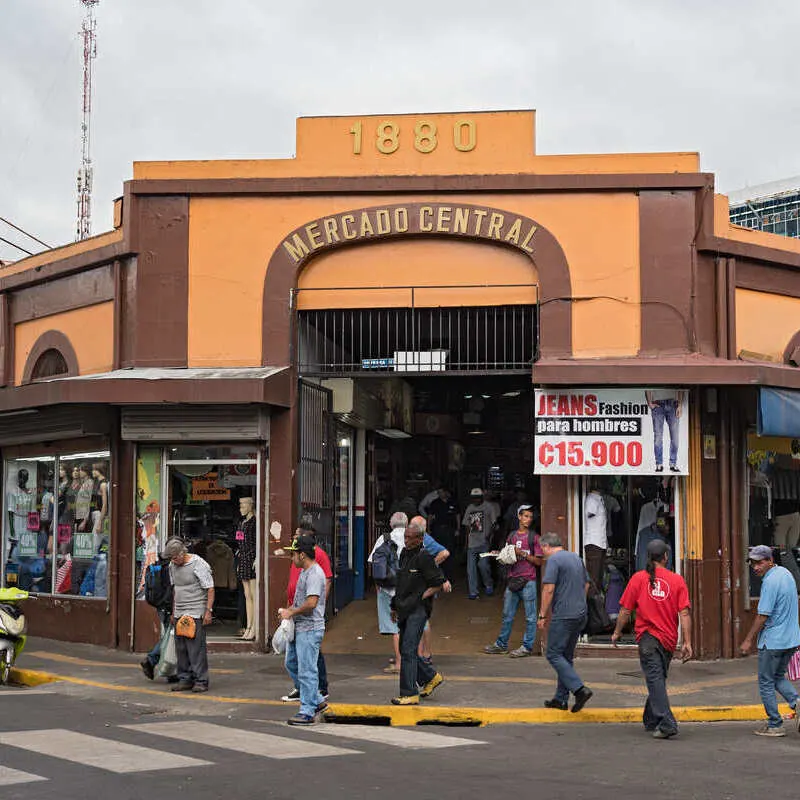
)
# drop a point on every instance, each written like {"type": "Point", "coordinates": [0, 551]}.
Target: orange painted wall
{"type": "Point", "coordinates": [91, 331]}
{"type": "Point", "coordinates": [232, 239]}
{"type": "Point", "coordinates": [765, 322]}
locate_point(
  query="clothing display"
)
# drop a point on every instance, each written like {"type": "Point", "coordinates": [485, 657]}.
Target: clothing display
{"type": "Point", "coordinates": [221, 560]}
{"type": "Point", "coordinates": [246, 549]}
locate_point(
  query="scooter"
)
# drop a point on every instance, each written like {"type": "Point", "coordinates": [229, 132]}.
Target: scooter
{"type": "Point", "coordinates": [12, 629]}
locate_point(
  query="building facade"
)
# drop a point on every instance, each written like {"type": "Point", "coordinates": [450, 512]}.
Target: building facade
{"type": "Point", "coordinates": [770, 207]}
{"type": "Point", "coordinates": [412, 300]}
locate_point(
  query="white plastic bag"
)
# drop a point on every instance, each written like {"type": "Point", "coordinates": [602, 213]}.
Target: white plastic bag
{"type": "Point", "coordinates": [507, 555]}
{"type": "Point", "coordinates": [283, 636]}
{"type": "Point", "coordinates": [168, 658]}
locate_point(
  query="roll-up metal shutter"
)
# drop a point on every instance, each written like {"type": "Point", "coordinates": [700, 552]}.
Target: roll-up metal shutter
{"type": "Point", "coordinates": [53, 424]}
{"type": "Point", "coordinates": [194, 423]}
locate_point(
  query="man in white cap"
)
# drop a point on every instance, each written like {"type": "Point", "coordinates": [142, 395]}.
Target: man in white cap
{"type": "Point", "coordinates": [479, 518]}
{"type": "Point", "coordinates": [778, 633]}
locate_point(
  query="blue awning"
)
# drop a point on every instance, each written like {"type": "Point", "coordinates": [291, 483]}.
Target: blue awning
{"type": "Point", "coordinates": [778, 412]}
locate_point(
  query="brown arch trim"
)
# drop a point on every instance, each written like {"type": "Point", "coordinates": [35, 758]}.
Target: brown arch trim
{"type": "Point", "coordinates": [361, 226]}
{"type": "Point", "coordinates": [51, 340]}
{"type": "Point", "coordinates": [791, 355]}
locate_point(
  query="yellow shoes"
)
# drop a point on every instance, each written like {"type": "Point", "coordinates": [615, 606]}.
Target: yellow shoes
{"type": "Point", "coordinates": [406, 700]}
{"type": "Point", "coordinates": [427, 689]}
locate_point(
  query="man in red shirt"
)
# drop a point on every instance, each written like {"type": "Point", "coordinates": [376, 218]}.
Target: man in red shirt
{"type": "Point", "coordinates": [661, 600]}
{"type": "Point", "coordinates": [322, 558]}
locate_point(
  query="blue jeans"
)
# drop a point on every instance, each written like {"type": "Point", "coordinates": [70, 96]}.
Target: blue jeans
{"type": "Point", "coordinates": [302, 657]}
{"type": "Point", "coordinates": [413, 670]}
{"type": "Point", "coordinates": [511, 601]}
{"type": "Point", "coordinates": [561, 641]}
{"type": "Point", "coordinates": [772, 666]}
{"type": "Point", "coordinates": [665, 410]}
{"type": "Point", "coordinates": [475, 565]}
{"type": "Point", "coordinates": [655, 661]}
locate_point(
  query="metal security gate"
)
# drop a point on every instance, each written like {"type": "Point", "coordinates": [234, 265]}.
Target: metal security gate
{"type": "Point", "coordinates": [315, 468]}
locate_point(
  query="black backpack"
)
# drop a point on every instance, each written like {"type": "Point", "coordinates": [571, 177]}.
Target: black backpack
{"type": "Point", "coordinates": [158, 585]}
{"type": "Point", "coordinates": [385, 563]}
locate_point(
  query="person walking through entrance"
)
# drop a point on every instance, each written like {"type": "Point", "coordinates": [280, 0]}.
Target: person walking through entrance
{"type": "Point", "coordinates": [661, 602]}
{"type": "Point", "coordinates": [778, 635]}
{"type": "Point", "coordinates": [521, 586]}
{"type": "Point", "coordinates": [563, 612]}
{"type": "Point", "coordinates": [419, 579]}
{"type": "Point", "coordinates": [479, 518]}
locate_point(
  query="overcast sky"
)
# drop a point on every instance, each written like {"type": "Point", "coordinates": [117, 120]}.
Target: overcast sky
{"type": "Point", "coordinates": [180, 79]}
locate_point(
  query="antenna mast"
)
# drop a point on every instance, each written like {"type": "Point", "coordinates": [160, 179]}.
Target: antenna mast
{"type": "Point", "coordinates": [89, 35]}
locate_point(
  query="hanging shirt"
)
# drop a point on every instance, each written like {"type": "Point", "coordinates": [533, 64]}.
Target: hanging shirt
{"type": "Point", "coordinates": [594, 515]}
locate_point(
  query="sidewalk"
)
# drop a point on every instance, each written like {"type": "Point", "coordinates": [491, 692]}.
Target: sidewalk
{"type": "Point", "coordinates": [478, 689]}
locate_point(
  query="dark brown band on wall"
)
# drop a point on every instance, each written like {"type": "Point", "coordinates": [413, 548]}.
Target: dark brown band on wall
{"type": "Point", "coordinates": [761, 277]}
{"type": "Point", "coordinates": [162, 291]}
{"type": "Point", "coordinates": [493, 226]}
{"type": "Point", "coordinates": [6, 341]}
{"type": "Point", "coordinates": [666, 233]}
{"type": "Point", "coordinates": [51, 340]}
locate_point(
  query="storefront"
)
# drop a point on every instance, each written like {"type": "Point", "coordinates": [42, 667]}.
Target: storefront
{"type": "Point", "coordinates": [330, 336]}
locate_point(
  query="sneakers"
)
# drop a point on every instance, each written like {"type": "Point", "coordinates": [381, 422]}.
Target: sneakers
{"type": "Point", "coordinates": [406, 700]}
{"type": "Point", "coordinates": [292, 697]}
{"type": "Point", "coordinates": [582, 697]}
{"type": "Point", "coordinates": [659, 734]}
{"type": "Point", "coordinates": [520, 652]}
{"type": "Point", "coordinates": [472, 597]}
{"type": "Point", "coordinates": [557, 704]}
{"type": "Point", "coordinates": [427, 689]}
{"type": "Point", "coordinates": [148, 669]}
{"type": "Point", "coordinates": [321, 708]}
{"type": "Point", "coordinates": [766, 730]}
{"type": "Point", "coordinates": [180, 686]}
{"type": "Point", "coordinates": [495, 650]}
{"type": "Point", "coordinates": [301, 719]}
{"type": "Point", "coordinates": [199, 688]}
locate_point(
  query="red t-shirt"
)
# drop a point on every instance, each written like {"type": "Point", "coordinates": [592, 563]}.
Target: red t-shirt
{"type": "Point", "coordinates": [657, 607]}
{"type": "Point", "coordinates": [321, 558]}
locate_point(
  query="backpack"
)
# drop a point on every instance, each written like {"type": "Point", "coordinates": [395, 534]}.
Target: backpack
{"type": "Point", "coordinates": [385, 563]}
{"type": "Point", "coordinates": [158, 585]}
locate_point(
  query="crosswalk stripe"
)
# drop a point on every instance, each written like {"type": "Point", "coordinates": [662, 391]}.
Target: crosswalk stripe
{"type": "Point", "coordinates": [255, 744]}
{"type": "Point", "coordinates": [412, 739]}
{"type": "Point", "coordinates": [92, 751]}
{"type": "Point", "coordinates": [8, 776]}
{"type": "Point", "coordinates": [7, 693]}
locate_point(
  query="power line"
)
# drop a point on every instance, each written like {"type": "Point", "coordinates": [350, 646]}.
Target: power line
{"type": "Point", "coordinates": [29, 235]}
{"type": "Point", "coordinates": [5, 241]}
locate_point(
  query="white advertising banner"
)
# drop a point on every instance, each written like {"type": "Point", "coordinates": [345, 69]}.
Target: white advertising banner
{"type": "Point", "coordinates": [611, 431]}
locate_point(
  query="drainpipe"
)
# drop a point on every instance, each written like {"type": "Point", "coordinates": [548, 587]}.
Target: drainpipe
{"type": "Point", "coordinates": [721, 270]}
{"type": "Point", "coordinates": [725, 528]}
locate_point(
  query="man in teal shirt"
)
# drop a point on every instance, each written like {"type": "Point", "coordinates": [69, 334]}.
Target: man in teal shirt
{"type": "Point", "coordinates": [776, 626]}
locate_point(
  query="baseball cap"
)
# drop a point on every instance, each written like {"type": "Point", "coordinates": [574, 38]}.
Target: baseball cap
{"type": "Point", "coordinates": [524, 507]}
{"type": "Point", "coordinates": [657, 548]}
{"type": "Point", "coordinates": [304, 543]}
{"type": "Point", "coordinates": [476, 492]}
{"type": "Point", "coordinates": [761, 552]}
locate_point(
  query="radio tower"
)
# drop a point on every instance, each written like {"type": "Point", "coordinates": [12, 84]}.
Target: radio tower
{"type": "Point", "coordinates": [89, 35]}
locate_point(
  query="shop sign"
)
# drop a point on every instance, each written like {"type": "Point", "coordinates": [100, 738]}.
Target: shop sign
{"type": "Point", "coordinates": [207, 488]}
{"type": "Point", "coordinates": [633, 431]}
{"type": "Point", "coordinates": [82, 545]}
{"type": "Point", "coordinates": [27, 545]}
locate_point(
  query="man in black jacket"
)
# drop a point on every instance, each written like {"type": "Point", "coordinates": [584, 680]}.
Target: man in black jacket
{"type": "Point", "coordinates": [418, 580]}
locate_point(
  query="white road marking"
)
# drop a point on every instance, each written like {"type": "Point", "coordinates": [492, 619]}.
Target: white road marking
{"type": "Point", "coordinates": [9, 777]}
{"type": "Point", "coordinates": [6, 693]}
{"type": "Point", "coordinates": [92, 751]}
{"type": "Point", "coordinates": [409, 739]}
{"type": "Point", "coordinates": [255, 744]}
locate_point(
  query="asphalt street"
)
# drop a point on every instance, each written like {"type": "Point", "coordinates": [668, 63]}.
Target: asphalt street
{"type": "Point", "coordinates": [62, 746]}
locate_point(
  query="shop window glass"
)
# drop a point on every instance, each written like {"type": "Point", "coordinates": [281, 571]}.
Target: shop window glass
{"type": "Point", "coordinates": [773, 511]}
{"type": "Point", "coordinates": [57, 524]}
{"type": "Point", "coordinates": [149, 541]}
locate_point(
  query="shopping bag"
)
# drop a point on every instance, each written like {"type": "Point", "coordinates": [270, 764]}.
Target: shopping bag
{"type": "Point", "coordinates": [283, 636]}
{"type": "Point", "coordinates": [64, 576]}
{"type": "Point", "coordinates": [168, 658]}
{"type": "Point", "coordinates": [793, 670]}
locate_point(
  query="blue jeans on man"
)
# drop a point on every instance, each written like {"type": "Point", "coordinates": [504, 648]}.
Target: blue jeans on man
{"type": "Point", "coordinates": [511, 601]}
{"type": "Point", "coordinates": [302, 657]}
{"type": "Point", "coordinates": [665, 411]}
{"type": "Point", "coordinates": [476, 565]}
{"type": "Point", "coordinates": [772, 665]}
{"type": "Point", "coordinates": [562, 638]}
{"type": "Point", "coordinates": [655, 661]}
{"type": "Point", "coordinates": [414, 671]}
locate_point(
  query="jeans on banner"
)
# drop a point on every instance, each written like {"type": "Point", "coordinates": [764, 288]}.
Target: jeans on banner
{"type": "Point", "coordinates": [665, 411]}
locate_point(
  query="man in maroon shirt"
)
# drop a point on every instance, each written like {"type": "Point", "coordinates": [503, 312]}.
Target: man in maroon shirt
{"type": "Point", "coordinates": [661, 601]}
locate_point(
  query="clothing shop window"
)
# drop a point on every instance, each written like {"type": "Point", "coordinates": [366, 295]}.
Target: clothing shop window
{"type": "Point", "coordinates": [773, 501]}
{"type": "Point", "coordinates": [56, 529]}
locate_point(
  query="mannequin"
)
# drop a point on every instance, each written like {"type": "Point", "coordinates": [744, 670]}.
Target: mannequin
{"type": "Point", "coordinates": [246, 562]}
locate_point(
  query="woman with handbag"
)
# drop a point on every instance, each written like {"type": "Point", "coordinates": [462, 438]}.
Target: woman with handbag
{"type": "Point", "coordinates": [193, 592]}
{"type": "Point", "coordinates": [520, 586]}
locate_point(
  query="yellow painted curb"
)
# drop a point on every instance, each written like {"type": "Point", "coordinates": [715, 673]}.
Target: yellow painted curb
{"type": "Point", "coordinates": [422, 714]}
